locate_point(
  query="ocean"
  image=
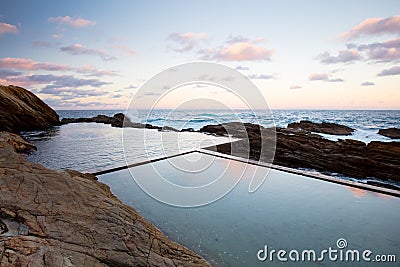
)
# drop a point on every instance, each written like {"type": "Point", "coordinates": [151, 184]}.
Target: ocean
{"type": "Point", "coordinates": [91, 147]}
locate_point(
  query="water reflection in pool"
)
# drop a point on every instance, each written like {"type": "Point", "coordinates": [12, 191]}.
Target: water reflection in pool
{"type": "Point", "coordinates": [289, 211]}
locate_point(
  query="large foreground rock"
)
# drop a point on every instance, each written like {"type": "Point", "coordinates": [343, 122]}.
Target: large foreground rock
{"type": "Point", "coordinates": [65, 218]}
{"type": "Point", "coordinates": [21, 110]}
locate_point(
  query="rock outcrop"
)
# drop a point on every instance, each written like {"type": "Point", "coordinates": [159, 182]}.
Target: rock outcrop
{"type": "Point", "coordinates": [119, 120]}
{"type": "Point", "coordinates": [116, 121]}
{"type": "Point", "coordinates": [18, 144]}
{"type": "Point", "coordinates": [324, 127]}
{"type": "Point", "coordinates": [65, 218]}
{"type": "Point", "coordinates": [299, 148]}
{"type": "Point", "coordinates": [21, 110]}
{"type": "Point", "coordinates": [393, 133]}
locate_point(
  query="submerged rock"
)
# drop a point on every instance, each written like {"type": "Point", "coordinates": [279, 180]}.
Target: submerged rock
{"type": "Point", "coordinates": [324, 127]}
{"type": "Point", "coordinates": [393, 133]}
{"type": "Point", "coordinates": [65, 218]}
{"type": "Point", "coordinates": [21, 110]}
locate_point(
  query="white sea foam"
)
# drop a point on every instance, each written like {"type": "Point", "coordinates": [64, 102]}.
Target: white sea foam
{"type": "Point", "coordinates": [365, 136]}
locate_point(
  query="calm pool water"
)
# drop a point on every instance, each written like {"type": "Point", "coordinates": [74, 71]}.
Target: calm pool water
{"type": "Point", "coordinates": [289, 212]}
{"type": "Point", "coordinates": [91, 147]}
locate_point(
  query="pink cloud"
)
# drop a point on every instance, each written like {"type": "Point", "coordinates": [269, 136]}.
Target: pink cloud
{"type": "Point", "coordinates": [380, 51]}
{"type": "Point", "coordinates": [29, 64]}
{"type": "Point", "coordinates": [7, 28]}
{"type": "Point", "coordinates": [125, 49]}
{"type": "Point", "coordinates": [186, 41]}
{"type": "Point", "coordinates": [386, 51]}
{"type": "Point", "coordinates": [374, 26]}
{"type": "Point", "coordinates": [241, 51]}
{"type": "Point", "coordinates": [385, 54]}
{"type": "Point", "coordinates": [76, 23]}
{"type": "Point", "coordinates": [78, 49]}
{"type": "Point", "coordinates": [89, 70]}
{"type": "Point", "coordinates": [54, 83]}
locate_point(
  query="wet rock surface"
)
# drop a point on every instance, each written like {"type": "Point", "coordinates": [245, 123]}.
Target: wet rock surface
{"type": "Point", "coordinates": [298, 148]}
{"type": "Point", "coordinates": [21, 110]}
{"type": "Point", "coordinates": [324, 127]}
{"type": "Point", "coordinates": [393, 133]}
{"type": "Point", "coordinates": [65, 218]}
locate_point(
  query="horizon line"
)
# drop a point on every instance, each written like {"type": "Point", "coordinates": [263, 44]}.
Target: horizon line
{"type": "Point", "coordinates": [210, 109]}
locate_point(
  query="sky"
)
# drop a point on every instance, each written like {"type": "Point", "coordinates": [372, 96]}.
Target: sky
{"type": "Point", "coordinates": [300, 54]}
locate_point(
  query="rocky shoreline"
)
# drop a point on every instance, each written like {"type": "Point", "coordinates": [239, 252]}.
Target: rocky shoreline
{"type": "Point", "coordinates": [66, 218]}
{"type": "Point", "coordinates": [298, 147]}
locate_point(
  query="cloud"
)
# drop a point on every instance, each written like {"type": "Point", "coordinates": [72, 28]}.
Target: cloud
{"type": "Point", "coordinates": [335, 80]}
{"type": "Point", "coordinates": [261, 76]}
{"type": "Point", "coordinates": [344, 56]}
{"type": "Point", "coordinates": [186, 41]}
{"type": "Point", "coordinates": [69, 93]}
{"type": "Point", "coordinates": [295, 87]}
{"type": "Point", "coordinates": [73, 22]}
{"type": "Point", "coordinates": [78, 49]}
{"type": "Point", "coordinates": [242, 68]}
{"type": "Point", "coordinates": [367, 84]}
{"type": "Point", "coordinates": [125, 49]}
{"type": "Point", "coordinates": [9, 76]}
{"type": "Point", "coordinates": [131, 87]}
{"type": "Point", "coordinates": [389, 72]}
{"type": "Point", "coordinates": [8, 28]}
{"type": "Point", "coordinates": [325, 77]}
{"type": "Point", "coordinates": [55, 81]}
{"type": "Point", "coordinates": [89, 70]}
{"type": "Point", "coordinates": [44, 44]}
{"type": "Point", "coordinates": [318, 77]}
{"type": "Point", "coordinates": [380, 51]}
{"type": "Point", "coordinates": [117, 96]}
{"type": "Point", "coordinates": [29, 64]}
{"type": "Point", "coordinates": [67, 101]}
{"type": "Point", "coordinates": [241, 51]}
{"type": "Point", "coordinates": [66, 81]}
{"type": "Point", "coordinates": [57, 36]}
{"type": "Point", "coordinates": [8, 73]}
{"type": "Point", "coordinates": [374, 26]}
{"type": "Point", "coordinates": [236, 39]}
